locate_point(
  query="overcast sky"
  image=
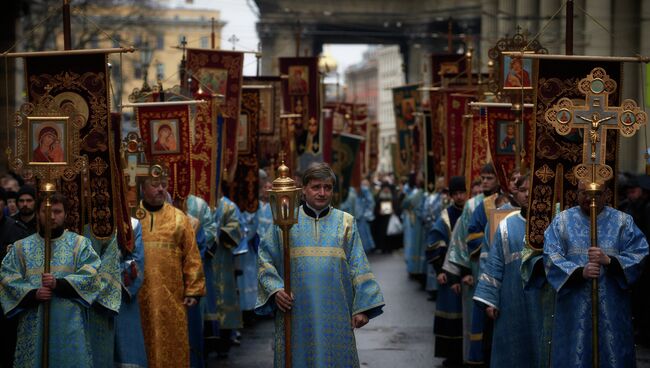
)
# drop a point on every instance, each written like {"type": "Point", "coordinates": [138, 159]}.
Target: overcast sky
{"type": "Point", "coordinates": [240, 21]}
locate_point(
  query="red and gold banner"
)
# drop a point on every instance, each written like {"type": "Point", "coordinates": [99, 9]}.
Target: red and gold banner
{"type": "Point", "coordinates": [301, 95]}
{"type": "Point", "coordinates": [220, 72]}
{"type": "Point", "coordinates": [122, 213]}
{"type": "Point", "coordinates": [406, 103]}
{"type": "Point", "coordinates": [204, 151]}
{"type": "Point", "coordinates": [555, 155]}
{"type": "Point", "coordinates": [455, 134]}
{"type": "Point", "coordinates": [372, 143]}
{"type": "Point", "coordinates": [244, 190]}
{"type": "Point", "coordinates": [476, 146]}
{"type": "Point", "coordinates": [501, 133]}
{"type": "Point", "coordinates": [81, 81]}
{"type": "Point", "coordinates": [446, 65]}
{"type": "Point", "coordinates": [272, 137]}
{"type": "Point", "coordinates": [165, 131]}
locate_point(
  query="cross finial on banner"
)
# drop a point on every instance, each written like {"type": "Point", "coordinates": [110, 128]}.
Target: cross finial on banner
{"type": "Point", "coordinates": [233, 40]}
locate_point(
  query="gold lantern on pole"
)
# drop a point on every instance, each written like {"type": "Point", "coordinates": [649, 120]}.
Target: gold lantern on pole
{"type": "Point", "coordinates": [284, 200]}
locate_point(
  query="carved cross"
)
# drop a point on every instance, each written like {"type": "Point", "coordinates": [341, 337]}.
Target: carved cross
{"type": "Point", "coordinates": [233, 40]}
{"type": "Point", "coordinates": [595, 117]}
{"type": "Point", "coordinates": [132, 150]}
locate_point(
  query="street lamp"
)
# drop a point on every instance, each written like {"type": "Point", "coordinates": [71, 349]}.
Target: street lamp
{"type": "Point", "coordinates": [283, 199]}
{"type": "Point", "coordinates": [145, 60]}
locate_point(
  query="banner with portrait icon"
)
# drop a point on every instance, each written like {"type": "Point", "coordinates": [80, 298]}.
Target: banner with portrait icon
{"type": "Point", "coordinates": [406, 104]}
{"type": "Point", "coordinates": [301, 95]}
{"type": "Point", "coordinates": [501, 134]}
{"type": "Point", "coordinates": [345, 150]}
{"type": "Point", "coordinates": [220, 73]}
{"type": "Point", "coordinates": [244, 189]}
{"type": "Point", "coordinates": [79, 83]}
{"type": "Point", "coordinates": [555, 155]}
{"type": "Point", "coordinates": [272, 136]}
{"type": "Point", "coordinates": [165, 132]}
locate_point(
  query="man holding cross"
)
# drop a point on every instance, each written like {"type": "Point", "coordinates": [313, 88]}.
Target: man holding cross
{"type": "Point", "coordinates": [571, 265]}
{"type": "Point", "coordinates": [333, 290]}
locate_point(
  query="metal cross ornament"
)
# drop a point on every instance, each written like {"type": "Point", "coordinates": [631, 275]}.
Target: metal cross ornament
{"type": "Point", "coordinates": [595, 117]}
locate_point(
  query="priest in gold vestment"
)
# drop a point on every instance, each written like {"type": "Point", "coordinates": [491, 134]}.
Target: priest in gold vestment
{"type": "Point", "coordinates": [173, 278]}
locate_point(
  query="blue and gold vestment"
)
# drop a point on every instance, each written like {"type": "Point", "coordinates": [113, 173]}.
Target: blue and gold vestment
{"type": "Point", "coordinates": [331, 281]}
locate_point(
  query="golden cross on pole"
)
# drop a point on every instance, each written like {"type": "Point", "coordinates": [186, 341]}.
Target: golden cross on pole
{"type": "Point", "coordinates": [595, 117]}
{"type": "Point", "coordinates": [132, 150]}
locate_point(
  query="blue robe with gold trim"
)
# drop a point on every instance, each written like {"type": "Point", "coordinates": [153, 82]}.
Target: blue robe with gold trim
{"type": "Point", "coordinates": [331, 281]}
{"type": "Point", "coordinates": [414, 233]}
{"type": "Point", "coordinates": [566, 242]}
{"type": "Point", "coordinates": [365, 213]}
{"type": "Point", "coordinates": [73, 259]}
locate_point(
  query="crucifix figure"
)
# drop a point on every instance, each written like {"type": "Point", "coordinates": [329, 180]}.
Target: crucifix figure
{"type": "Point", "coordinates": [595, 117]}
{"type": "Point", "coordinates": [132, 152]}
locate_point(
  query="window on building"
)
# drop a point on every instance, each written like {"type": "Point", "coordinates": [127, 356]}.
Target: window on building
{"type": "Point", "coordinates": [204, 42]}
{"type": "Point", "coordinates": [160, 41]}
{"type": "Point", "coordinates": [160, 71]}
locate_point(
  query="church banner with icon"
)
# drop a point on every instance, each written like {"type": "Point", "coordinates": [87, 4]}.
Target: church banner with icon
{"type": "Point", "coordinates": [436, 154]}
{"type": "Point", "coordinates": [345, 150]}
{"type": "Point", "coordinates": [501, 132]}
{"type": "Point", "coordinates": [455, 134]}
{"type": "Point", "coordinates": [446, 65]}
{"type": "Point", "coordinates": [272, 136]}
{"type": "Point", "coordinates": [406, 103]}
{"type": "Point", "coordinates": [244, 190]}
{"type": "Point", "coordinates": [205, 143]}
{"type": "Point", "coordinates": [301, 95]}
{"type": "Point", "coordinates": [477, 153]}
{"type": "Point", "coordinates": [79, 83]}
{"type": "Point", "coordinates": [553, 176]}
{"type": "Point", "coordinates": [165, 131]}
{"type": "Point", "coordinates": [220, 72]}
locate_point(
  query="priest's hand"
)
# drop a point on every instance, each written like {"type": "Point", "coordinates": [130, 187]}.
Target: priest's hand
{"type": "Point", "coordinates": [43, 294]}
{"type": "Point", "coordinates": [468, 280]}
{"type": "Point", "coordinates": [596, 255]}
{"type": "Point", "coordinates": [442, 278]}
{"type": "Point", "coordinates": [455, 288]}
{"type": "Point", "coordinates": [283, 300]}
{"type": "Point", "coordinates": [188, 301]}
{"type": "Point", "coordinates": [48, 281]}
{"type": "Point", "coordinates": [492, 312]}
{"type": "Point", "coordinates": [359, 320]}
{"type": "Point", "coordinates": [591, 271]}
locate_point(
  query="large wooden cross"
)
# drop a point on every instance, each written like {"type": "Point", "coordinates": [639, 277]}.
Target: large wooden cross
{"type": "Point", "coordinates": [132, 152]}
{"type": "Point", "coordinates": [595, 117]}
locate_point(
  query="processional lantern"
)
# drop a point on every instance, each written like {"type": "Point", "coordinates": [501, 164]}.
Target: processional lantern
{"type": "Point", "coordinates": [284, 199]}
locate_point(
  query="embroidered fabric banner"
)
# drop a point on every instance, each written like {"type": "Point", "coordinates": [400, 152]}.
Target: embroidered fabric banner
{"type": "Point", "coordinates": [447, 65]}
{"type": "Point", "coordinates": [244, 190]}
{"type": "Point", "coordinates": [476, 145]}
{"type": "Point", "coordinates": [204, 153]}
{"type": "Point", "coordinates": [165, 132]}
{"type": "Point", "coordinates": [220, 72]}
{"type": "Point", "coordinates": [345, 150]}
{"type": "Point", "coordinates": [406, 103]}
{"type": "Point", "coordinates": [501, 136]}
{"type": "Point", "coordinates": [373, 147]}
{"type": "Point", "coordinates": [122, 214]}
{"type": "Point", "coordinates": [429, 161]}
{"type": "Point", "coordinates": [553, 179]}
{"type": "Point", "coordinates": [301, 95]}
{"type": "Point", "coordinates": [272, 136]}
{"type": "Point", "coordinates": [455, 134]}
{"type": "Point", "coordinates": [82, 82]}
{"type": "Point", "coordinates": [436, 156]}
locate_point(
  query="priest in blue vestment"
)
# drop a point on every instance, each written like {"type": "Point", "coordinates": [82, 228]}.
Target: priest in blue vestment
{"type": "Point", "coordinates": [129, 339]}
{"type": "Point", "coordinates": [571, 265]}
{"type": "Point", "coordinates": [333, 289]}
{"type": "Point", "coordinates": [448, 323]}
{"type": "Point", "coordinates": [71, 287]}
{"type": "Point", "coordinates": [364, 212]}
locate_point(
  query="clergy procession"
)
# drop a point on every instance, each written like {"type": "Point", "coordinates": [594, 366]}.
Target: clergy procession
{"type": "Point", "coordinates": [506, 181]}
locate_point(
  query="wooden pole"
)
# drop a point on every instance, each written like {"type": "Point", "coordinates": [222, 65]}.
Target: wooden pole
{"type": "Point", "coordinates": [67, 33]}
{"type": "Point", "coordinates": [569, 28]}
{"type": "Point", "coordinates": [449, 36]}
{"type": "Point", "coordinates": [287, 289]}
{"type": "Point", "coordinates": [212, 35]}
{"type": "Point", "coordinates": [593, 190]}
{"type": "Point", "coordinates": [47, 189]}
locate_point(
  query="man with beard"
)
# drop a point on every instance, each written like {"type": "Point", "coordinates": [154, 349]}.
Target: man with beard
{"type": "Point", "coordinates": [71, 287]}
{"type": "Point", "coordinates": [173, 277]}
{"type": "Point", "coordinates": [26, 208]}
{"type": "Point", "coordinates": [572, 264]}
{"type": "Point", "coordinates": [333, 289]}
{"type": "Point", "coordinates": [448, 324]}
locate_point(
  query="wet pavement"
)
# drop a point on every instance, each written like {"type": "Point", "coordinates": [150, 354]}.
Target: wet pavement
{"type": "Point", "coordinates": [401, 337]}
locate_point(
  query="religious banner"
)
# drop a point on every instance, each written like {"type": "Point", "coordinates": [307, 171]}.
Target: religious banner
{"type": "Point", "coordinates": [406, 102]}
{"type": "Point", "coordinates": [81, 82]}
{"type": "Point", "coordinates": [477, 153]}
{"type": "Point", "coordinates": [455, 134]}
{"type": "Point", "coordinates": [327, 117]}
{"type": "Point", "coordinates": [436, 138]}
{"type": "Point", "coordinates": [301, 95]}
{"type": "Point", "coordinates": [124, 235]}
{"type": "Point", "coordinates": [345, 149]}
{"type": "Point", "coordinates": [446, 65]}
{"type": "Point", "coordinates": [553, 178]}
{"type": "Point", "coordinates": [271, 137]}
{"type": "Point", "coordinates": [244, 189]}
{"type": "Point", "coordinates": [205, 143]}
{"type": "Point", "coordinates": [165, 131]}
{"type": "Point", "coordinates": [501, 133]}
{"type": "Point", "coordinates": [372, 141]}
{"type": "Point", "coordinates": [220, 72]}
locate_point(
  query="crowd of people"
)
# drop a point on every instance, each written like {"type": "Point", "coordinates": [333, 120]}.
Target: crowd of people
{"type": "Point", "coordinates": [196, 275]}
